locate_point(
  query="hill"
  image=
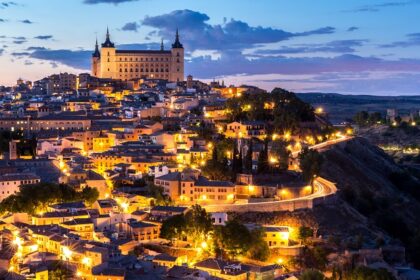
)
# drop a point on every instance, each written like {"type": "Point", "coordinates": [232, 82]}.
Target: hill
{"type": "Point", "coordinates": [341, 107]}
{"type": "Point", "coordinates": [378, 201]}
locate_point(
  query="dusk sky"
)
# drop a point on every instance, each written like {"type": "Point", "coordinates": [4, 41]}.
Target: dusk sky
{"type": "Point", "coordinates": [356, 47]}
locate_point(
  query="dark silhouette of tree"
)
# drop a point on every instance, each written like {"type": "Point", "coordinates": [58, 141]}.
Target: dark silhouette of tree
{"type": "Point", "coordinates": [310, 163]}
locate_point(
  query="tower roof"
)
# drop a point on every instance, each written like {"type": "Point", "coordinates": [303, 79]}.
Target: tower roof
{"type": "Point", "coordinates": [108, 43]}
{"type": "Point", "coordinates": [177, 44]}
{"type": "Point", "coordinates": [96, 53]}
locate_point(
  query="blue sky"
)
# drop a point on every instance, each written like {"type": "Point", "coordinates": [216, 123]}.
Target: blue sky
{"type": "Point", "coordinates": [301, 45]}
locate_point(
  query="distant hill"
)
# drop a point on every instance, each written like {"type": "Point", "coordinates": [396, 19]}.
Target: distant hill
{"type": "Point", "coordinates": [341, 107]}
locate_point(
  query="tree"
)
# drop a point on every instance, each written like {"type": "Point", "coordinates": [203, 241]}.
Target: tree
{"type": "Point", "coordinates": [259, 249]}
{"type": "Point", "coordinates": [173, 227]}
{"type": "Point", "coordinates": [312, 274]}
{"type": "Point", "coordinates": [37, 197]}
{"type": "Point", "coordinates": [90, 195]}
{"type": "Point", "coordinates": [305, 233]}
{"type": "Point", "coordinates": [280, 151]}
{"type": "Point", "coordinates": [361, 118]}
{"type": "Point", "coordinates": [234, 238]}
{"type": "Point", "coordinates": [197, 224]}
{"type": "Point", "coordinates": [248, 157]}
{"type": "Point", "coordinates": [310, 163]}
{"type": "Point", "coordinates": [59, 272]}
{"type": "Point", "coordinates": [263, 166]}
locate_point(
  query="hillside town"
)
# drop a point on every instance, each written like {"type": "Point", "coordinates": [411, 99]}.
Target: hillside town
{"type": "Point", "coordinates": [140, 174]}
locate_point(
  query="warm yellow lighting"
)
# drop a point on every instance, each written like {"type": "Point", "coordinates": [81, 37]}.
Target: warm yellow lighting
{"type": "Point", "coordinates": [394, 123]}
{"type": "Point", "coordinates": [124, 206]}
{"type": "Point", "coordinates": [17, 241]}
{"type": "Point", "coordinates": [251, 188]}
{"type": "Point", "coordinates": [67, 252]}
{"type": "Point", "coordinates": [228, 154]}
{"type": "Point", "coordinates": [204, 245]}
{"type": "Point", "coordinates": [319, 110]}
{"type": "Point", "coordinates": [207, 115]}
{"type": "Point", "coordinates": [86, 261]}
{"type": "Point", "coordinates": [273, 160]}
{"type": "Point", "coordinates": [274, 137]}
{"type": "Point", "coordinates": [349, 131]}
{"type": "Point", "coordinates": [210, 145]}
{"type": "Point", "coordinates": [280, 260]}
{"type": "Point", "coordinates": [287, 135]}
{"type": "Point", "coordinates": [413, 123]}
{"type": "Point", "coordinates": [230, 196]}
{"type": "Point", "coordinates": [203, 163]}
{"type": "Point", "coordinates": [204, 197]}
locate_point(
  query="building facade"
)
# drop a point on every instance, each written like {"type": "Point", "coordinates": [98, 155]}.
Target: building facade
{"type": "Point", "coordinates": [108, 62]}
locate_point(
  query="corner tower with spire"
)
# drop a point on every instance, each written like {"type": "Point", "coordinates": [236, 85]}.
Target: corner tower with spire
{"type": "Point", "coordinates": [112, 63]}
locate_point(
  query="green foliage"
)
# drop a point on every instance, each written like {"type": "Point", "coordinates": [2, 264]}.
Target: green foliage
{"type": "Point", "coordinates": [312, 274]}
{"type": "Point", "coordinates": [310, 163]}
{"type": "Point", "coordinates": [263, 165]}
{"type": "Point", "coordinates": [33, 198]}
{"type": "Point", "coordinates": [288, 110]}
{"type": "Point", "coordinates": [279, 150]}
{"type": "Point", "coordinates": [259, 249]}
{"type": "Point", "coordinates": [157, 192]}
{"type": "Point", "coordinates": [248, 157]}
{"type": "Point", "coordinates": [60, 272]}
{"type": "Point", "coordinates": [363, 118]}
{"type": "Point", "coordinates": [195, 224]}
{"type": "Point", "coordinates": [234, 238]}
{"type": "Point", "coordinates": [217, 168]}
{"type": "Point", "coordinates": [173, 227]}
{"type": "Point", "coordinates": [305, 233]}
{"type": "Point", "coordinates": [6, 137]}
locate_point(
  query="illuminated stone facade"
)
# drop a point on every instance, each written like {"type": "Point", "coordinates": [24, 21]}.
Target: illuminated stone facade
{"type": "Point", "coordinates": [108, 62]}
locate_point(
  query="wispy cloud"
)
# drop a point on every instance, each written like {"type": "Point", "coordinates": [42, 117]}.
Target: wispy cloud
{"type": "Point", "coordinates": [131, 26]}
{"type": "Point", "coordinates": [380, 6]}
{"type": "Point", "coordinates": [115, 2]}
{"type": "Point", "coordinates": [44, 37]}
{"type": "Point", "coordinates": [26, 21]}
{"type": "Point", "coordinates": [413, 39]}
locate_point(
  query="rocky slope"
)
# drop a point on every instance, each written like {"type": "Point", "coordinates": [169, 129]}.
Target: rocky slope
{"type": "Point", "coordinates": [374, 202]}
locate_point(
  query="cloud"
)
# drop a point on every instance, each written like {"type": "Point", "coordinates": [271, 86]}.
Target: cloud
{"type": "Point", "coordinates": [378, 7]}
{"type": "Point", "coordinates": [35, 48]}
{"type": "Point", "coordinates": [234, 63]}
{"type": "Point", "coordinates": [20, 54]}
{"type": "Point", "coordinates": [79, 59]}
{"type": "Point", "coordinates": [44, 37]}
{"type": "Point", "coordinates": [115, 2]}
{"type": "Point", "coordinates": [352, 28]}
{"type": "Point", "coordinates": [4, 5]}
{"type": "Point", "coordinates": [2, 20]}
{"type": "Point", "coordinates": [28, 62]}
{"type": "Point", "coordinates": [131, 26]}
{"type": "Point", "coordinates": [1, 51]}
{"type": "Point", "coordinates": [26, 21]}
{"type": "Point", "coordinates": [197, 33]}
{"type": "Point", "coordinates": [338, 46]}
{"type": "Point", "coordinates": [413, 39]}
{"type": "Point", "coordinates": [141, 46]}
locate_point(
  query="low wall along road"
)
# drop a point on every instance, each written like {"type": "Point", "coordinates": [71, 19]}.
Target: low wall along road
{"type": "Point", "coordinates": [324, 192]}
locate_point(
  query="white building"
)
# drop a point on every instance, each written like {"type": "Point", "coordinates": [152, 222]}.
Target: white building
{"type": "Point", "coordinates": [9, 183]}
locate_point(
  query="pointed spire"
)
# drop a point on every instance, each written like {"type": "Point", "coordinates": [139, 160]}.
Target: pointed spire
{"type": "Point", "coordinates": [161, 45]}
{"type": "Point", "coordinates": [177, 44]}
{"type": "Point", "coordinates": [108, 43]}
{"type": "Point", "coordinates": [96, 53]}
